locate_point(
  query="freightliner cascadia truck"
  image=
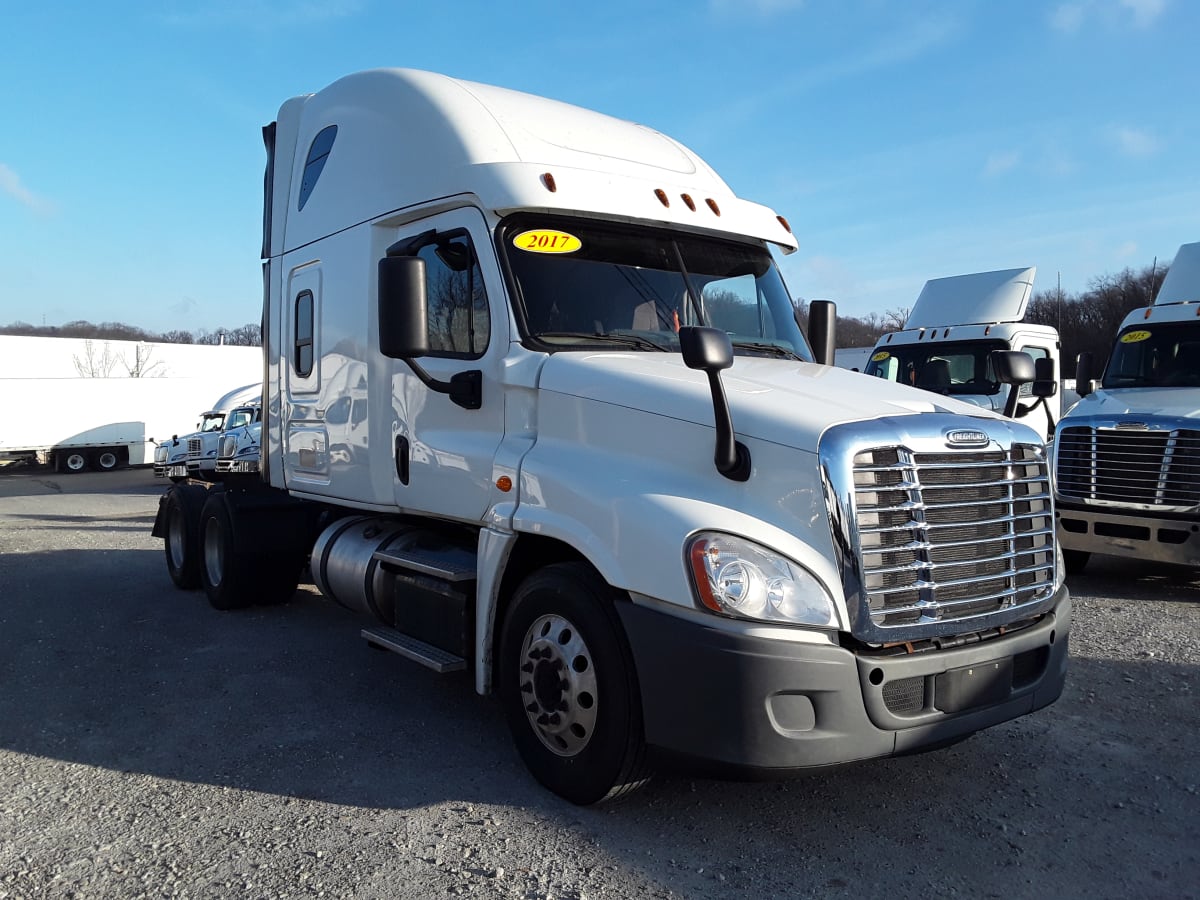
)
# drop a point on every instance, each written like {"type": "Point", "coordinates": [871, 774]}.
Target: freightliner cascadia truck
{"type": "Point", "coordinates": [536, 400]}
{"type": "Point", "coordinates": [947, 342]}
{"type": "Point", "coordinates": [1128, 454]}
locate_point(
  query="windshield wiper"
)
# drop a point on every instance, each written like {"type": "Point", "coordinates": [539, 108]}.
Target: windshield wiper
{"type": "Point", "coordinates": [771, 349]}
{"type": "Point", "coordinates": [627, 340]}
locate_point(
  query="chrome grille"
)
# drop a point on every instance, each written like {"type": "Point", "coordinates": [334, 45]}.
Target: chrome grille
{"type": "Point", "coordinates": [949, 537]}
{"type": "Point", "coordinates": [194, 445]}
{"type": "Point", "coordinates": [1145, 465]}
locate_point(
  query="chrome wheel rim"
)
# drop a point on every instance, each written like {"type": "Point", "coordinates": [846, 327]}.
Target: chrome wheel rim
{"type": "Point", "coordinates": [558, 685]}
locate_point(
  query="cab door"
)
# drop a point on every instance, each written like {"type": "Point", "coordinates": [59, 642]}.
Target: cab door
{"type": "Point", "coordinates": [443, 452]}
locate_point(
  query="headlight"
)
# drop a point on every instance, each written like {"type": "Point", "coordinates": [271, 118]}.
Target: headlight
{"type": "Point", "coordinates": [736, 577]}
{"type": "Point", "coordinates": [248, 450]}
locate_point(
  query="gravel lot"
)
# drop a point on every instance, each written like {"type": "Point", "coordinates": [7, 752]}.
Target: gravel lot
{"type": "Point", "coordinates": [153, 747]}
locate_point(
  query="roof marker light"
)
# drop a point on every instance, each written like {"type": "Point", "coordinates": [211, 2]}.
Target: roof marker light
{"type": "Point", "coordinates": [689, 202]}
{"type": "Point", "coordinates": [548, 181]}
{"type": "Point", "coordinates": [1149, 309]}
{"type": "Point", "coordinates": [784, 223]}
{"type": "Point", "coordinates": [662, 197]}
{"type": "Point", "coordinates": [712, 204]}
{"type": "Point", "coordinates": [987, 331]}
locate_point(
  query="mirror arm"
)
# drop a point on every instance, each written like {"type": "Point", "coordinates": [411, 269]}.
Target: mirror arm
{"type": "Point", "coordinates": [465, 388]}
{"type": "Point", "coordinates": [731, 457]}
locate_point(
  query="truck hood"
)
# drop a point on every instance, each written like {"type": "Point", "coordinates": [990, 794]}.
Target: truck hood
{"type": "Point", "coordinates": [782, 401]}
{"type": "Point", "coordinates": [1179, 401]}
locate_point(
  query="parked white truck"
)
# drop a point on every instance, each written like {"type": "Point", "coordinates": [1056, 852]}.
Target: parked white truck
{"type": "Point", "coordinates": [102, 423]}
{"type": "Point", "coordinates": [587, 456]}
{"type": "Point", "coordinates": [1127, 455]}
{"type": "Point", "coordinates": [947, 342]}
{"type": "Point", "coordinates": [195, 455]}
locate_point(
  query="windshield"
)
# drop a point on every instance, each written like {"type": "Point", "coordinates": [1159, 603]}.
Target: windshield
{"type": "Point", "coordinates": [240, 417]}
{"type": "Point", "coordinates": [212, 423]}
{"type": "Point", "coordinates": [947, 368]}
{"type": "Point", "coordinates": [600, 285]}
{"type": "Point", "coordinates": [1155, 355]}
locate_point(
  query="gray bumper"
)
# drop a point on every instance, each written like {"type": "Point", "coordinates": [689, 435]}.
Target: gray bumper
{"type": "Point", "coordinates": [759, 706]}
{"type": "Point", "coordinates": [1131, 534]}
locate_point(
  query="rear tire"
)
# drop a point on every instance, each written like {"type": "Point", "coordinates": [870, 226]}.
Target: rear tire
{"type": "Point", "coordinates": [224, 571]}
{"type": "Point", "coordinates": [1076, 561]}
{"type": "Point", "coordinates": [181, 541]}
{"type": "Point", "coordinates": [71, 461]}
{"type": "Point", "coordinates": [568, 686]}
{"type": "Point", "coordinates": [106, 460]}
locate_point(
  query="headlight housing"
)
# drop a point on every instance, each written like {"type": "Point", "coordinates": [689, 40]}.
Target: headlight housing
{"type": "Point", "coordinates": [739, 578]}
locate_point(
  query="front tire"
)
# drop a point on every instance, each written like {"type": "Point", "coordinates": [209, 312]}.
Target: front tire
{"type": "Point", "coordinates": [568, 686]}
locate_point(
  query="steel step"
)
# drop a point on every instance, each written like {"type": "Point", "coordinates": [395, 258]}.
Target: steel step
{"type": "Point", "coordinates": [449, 565]}
{"type": "Point", "coordinates": [441, 661]}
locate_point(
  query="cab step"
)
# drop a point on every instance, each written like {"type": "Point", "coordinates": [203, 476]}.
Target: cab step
{"type": "Point", "coordinates": [450, 564]}
{"type": "Point", "coordinates": [413, 648]}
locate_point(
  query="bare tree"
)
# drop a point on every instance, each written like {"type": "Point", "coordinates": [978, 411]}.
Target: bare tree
{"type": "Point", "coordinates": [142, 367]}
{"type": "Point", "coordinates": [93, 364]}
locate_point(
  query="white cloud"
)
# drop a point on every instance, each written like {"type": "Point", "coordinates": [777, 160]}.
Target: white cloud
{"type": "Point", "coordinates": [1144, 11]}
{"type": "Point", "coordinates": [1127, 250]}
{"type": "Point", "coordinates": [259, 13]}
{"type": "Point", "coordinates": [1001, 162]}
{"type": "Point", "coordinates": [758, 7]}
{"type": "Point", "coordinates": [1071, 17]}
{"type": "Point", "coordinates": [10, 183]}
{"type": "Point", "coordinates": [1133, 141]}
{"type": "Point", "coordinates": [1068, 17]}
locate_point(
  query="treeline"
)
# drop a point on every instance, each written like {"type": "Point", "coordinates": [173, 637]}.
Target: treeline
{"type": "Point", "coordinates": [1085, 321]}
{"type": "Point", "coordinates": [245, 336]}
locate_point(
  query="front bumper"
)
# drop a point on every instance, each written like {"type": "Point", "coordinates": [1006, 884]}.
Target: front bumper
{"type": "Point", "coordinates": [1129, 534]}
{"type": "Point", "coordinates": [754, 705]}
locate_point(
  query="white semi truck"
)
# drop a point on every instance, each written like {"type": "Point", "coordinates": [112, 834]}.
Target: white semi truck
{"type": "Point", "coordinates": [946, 345]}
{"type": "Point", "coordinates": [194, 455]}
{"type": "Point", "coordinates": [1127, 455]}
{"type": "Point", "coordinates": [537, 402]}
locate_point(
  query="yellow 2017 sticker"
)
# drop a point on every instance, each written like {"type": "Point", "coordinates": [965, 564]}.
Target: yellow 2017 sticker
{"type": "Point", "coordinates": [1134, 337]}
{"type": "Point", "coordinates": [880, 356]}
{"type": "Point", "coordinates": [545, 240]}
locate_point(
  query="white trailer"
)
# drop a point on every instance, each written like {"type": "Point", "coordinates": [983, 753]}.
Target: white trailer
{"type": "Point", "coordinates": [536, 402]}
{"type": "Point", "coordinates": [1127, 454]}
{"type": "Point", "coordinates": [102, 423]}
{"type": "Point", "coordinates": [947, 342]}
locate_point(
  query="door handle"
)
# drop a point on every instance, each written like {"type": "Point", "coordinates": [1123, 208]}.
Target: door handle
{"type": "Point", "coordinates": [402, 458]}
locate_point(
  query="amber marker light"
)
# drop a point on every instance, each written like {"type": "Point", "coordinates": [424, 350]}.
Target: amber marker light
{"type": "Point", "coordinates": [689, 202]}
{"type": "Point", "coordinates": [504, 483]}
{"type": "Point", "coordinates": [784, 223]}
{"type": "Point", "coordinates": [662, 197]}
{"type": "Point", "coordinates": [700, 550]}
{"type": "Point", "coordinates": [712, 204]}
{"type": "Point", "coordinates": [1149, 309]}
{"type": "Point", "coordinates": [548, 181]}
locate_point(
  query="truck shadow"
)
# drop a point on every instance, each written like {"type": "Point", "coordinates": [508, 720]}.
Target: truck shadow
{"type": "Point", "coordinates": [103, 663]}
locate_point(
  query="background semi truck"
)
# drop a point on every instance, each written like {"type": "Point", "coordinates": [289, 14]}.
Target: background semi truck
{"type": "Point", "coordinates": [1128, 454]}
{"type": "Point", "coordinates": [194, 454]}
{"type": "Point", "coordinates": [536, 401]}
{"type": "Point", "coordinates": [947, 341]}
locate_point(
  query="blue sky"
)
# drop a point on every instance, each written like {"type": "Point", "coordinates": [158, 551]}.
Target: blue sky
{"type": "Point", "coordinates": [903, 140]}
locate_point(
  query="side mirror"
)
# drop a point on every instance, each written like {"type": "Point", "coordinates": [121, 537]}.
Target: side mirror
{"type": "Point", "coordinates": [1084, 373]}
{"type": "Point", "coordinates": [822, 323]}
{"type": "Point", "coordinates": [1014, 368]}
{"type": "Point", "coordinates": [710, 350]}
{"type": "Point", "coordinates": [1045, 382]}
{"type": "Point", "coordinates": [403, 321]}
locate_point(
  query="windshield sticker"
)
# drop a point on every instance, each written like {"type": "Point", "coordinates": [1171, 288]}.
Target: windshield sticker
{"type": "Point", "coordinates": [545, 240]}
{"type": "Point", "coordinates": [1134, 337]}
{"type": "Point", "coordinates": [880, 356]}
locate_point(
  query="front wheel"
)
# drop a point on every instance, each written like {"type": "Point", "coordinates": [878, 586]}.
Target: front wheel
{"type": "Point", "coordinates": [568, 686]}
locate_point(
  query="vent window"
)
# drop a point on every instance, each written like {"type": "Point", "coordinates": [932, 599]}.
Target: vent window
{"type": "Point", "coordinates": [302, 356]}
{"type": "Point", "coordinates": [315, 163]}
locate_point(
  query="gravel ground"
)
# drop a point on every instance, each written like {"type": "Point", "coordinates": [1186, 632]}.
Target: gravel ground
{"type": "Point", "coordinates": [153, 747]}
